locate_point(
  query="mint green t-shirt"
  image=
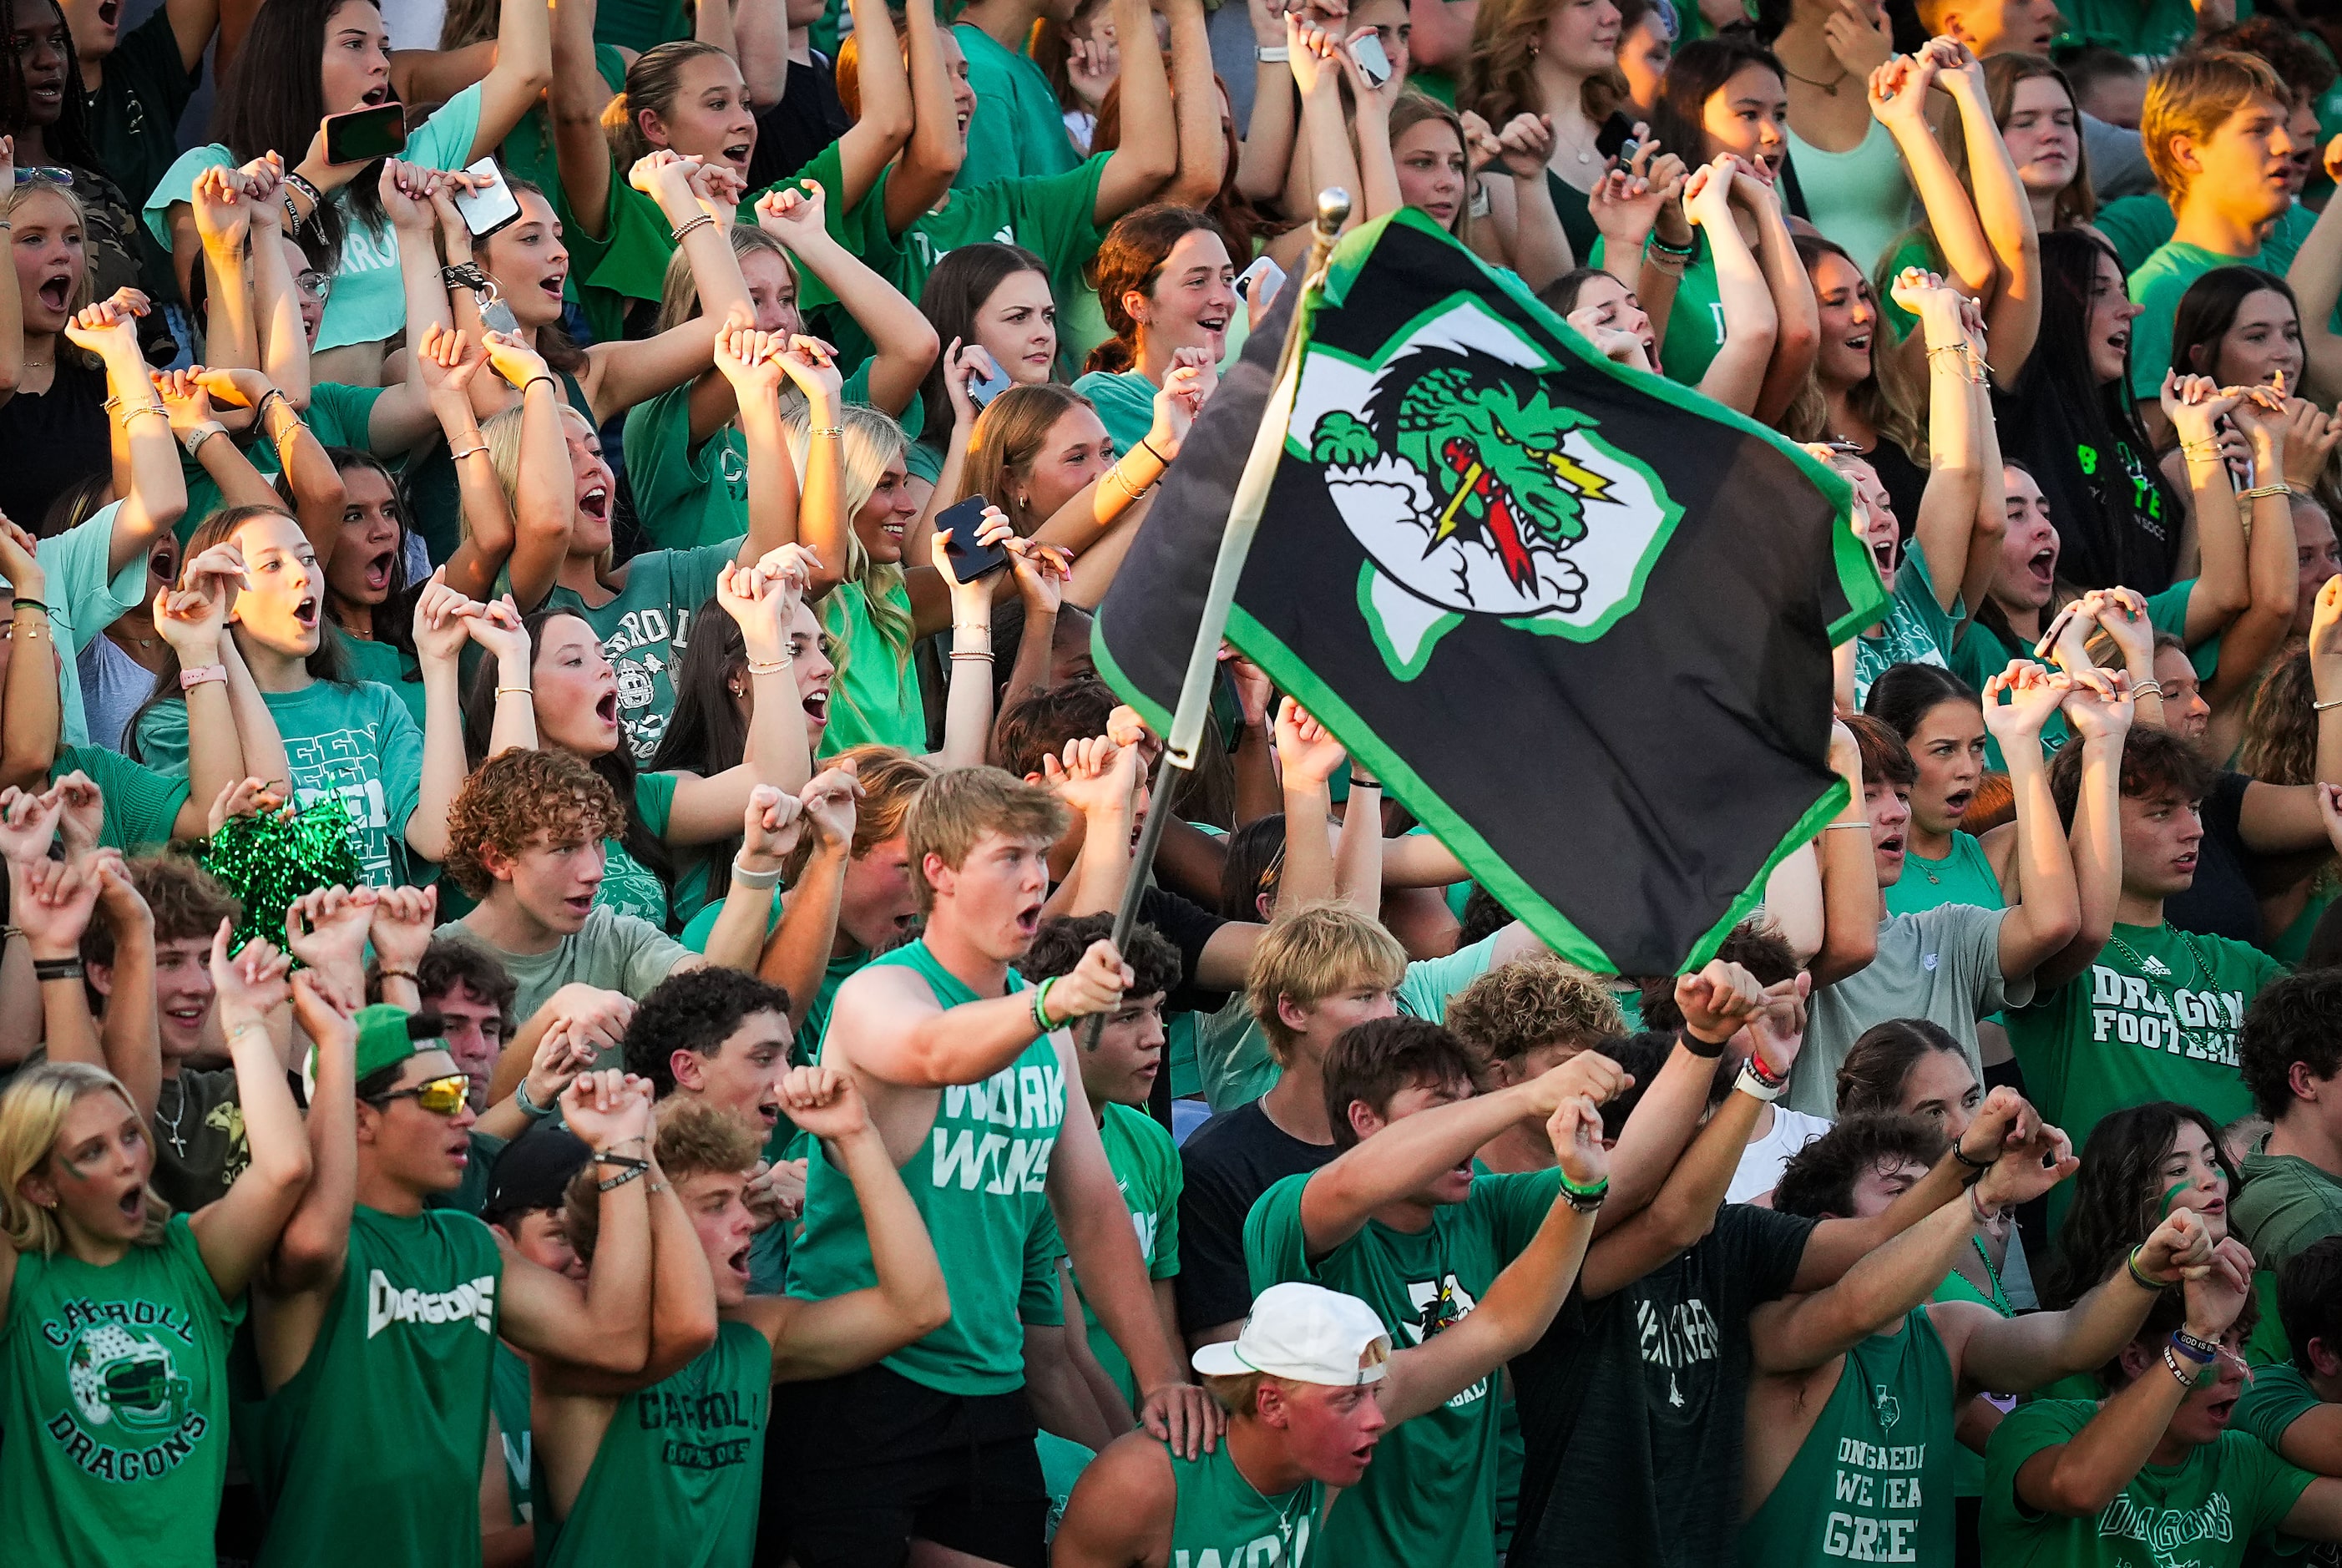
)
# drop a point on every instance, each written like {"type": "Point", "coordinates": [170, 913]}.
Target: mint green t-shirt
{"type": "Point", "coordinates": [1963, 876]}
{"type": "Point", "coordinates": [1018, 128]}
{"type": "Point", "coordinates": [141, 805]}
{"type": "Point", "coordinates": [354, 740]}
{"type": "Point", "coordinates": [1917, 629]}
{"type": "Point", "coordinates": [1125, 401]}
{"type": "Point", "coordinates": [2156, 286]}
{"type": "Point", "coordinates": [83, 601]}
{"type": "Point", "coordinates": [628, 886]}
{"type": "Point", "coordinates": [367, 302]}
{"type": "Point", "coordinates": [1148, 1172]}
{"type": "Point", "coordinates": [610, 952]}
{"type": "Point", "coordinates": [339, 415]}
{"type": "Point", "coordinates": [2207, 1511]}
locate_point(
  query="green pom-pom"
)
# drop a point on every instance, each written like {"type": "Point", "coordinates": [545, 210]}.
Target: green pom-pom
{"type": "Point", "coordinates": [271, 860]}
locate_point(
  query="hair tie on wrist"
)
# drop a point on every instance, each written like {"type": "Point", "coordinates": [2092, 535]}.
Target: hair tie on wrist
{"type": "Point", "coordinates": [533, 380]}
{"type": "Point", "coordinates": [26, 601]}
{"type": "Point", "coordinates": [1707, 1049]}
{"type": "Point", "coordinates": [1152, 453]}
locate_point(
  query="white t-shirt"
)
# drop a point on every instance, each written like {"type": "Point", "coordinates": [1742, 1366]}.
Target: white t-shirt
{"type": "Point", "coordinates": [1763, 1161]}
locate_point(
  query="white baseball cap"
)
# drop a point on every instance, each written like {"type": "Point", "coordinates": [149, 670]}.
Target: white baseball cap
{"type": "Point", "coordinates": [1306, 1332]}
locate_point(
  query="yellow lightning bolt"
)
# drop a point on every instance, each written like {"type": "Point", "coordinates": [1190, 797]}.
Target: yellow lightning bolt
{"type": "Point", "coordinates": [1456, 504]}
{"type": "Point", "coordinates": [1583, 480]}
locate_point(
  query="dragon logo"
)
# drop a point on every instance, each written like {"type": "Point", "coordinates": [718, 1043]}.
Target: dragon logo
{"type": "Point", "coordinates": [1473, 488]}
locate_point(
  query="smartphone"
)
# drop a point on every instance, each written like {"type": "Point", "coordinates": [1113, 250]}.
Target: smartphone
{"type": "Point", "coordinates": [1373, 64]}
{"type": "Point", "coordinates": [492, 206]}
{"type": "Point", "coordinates": [1615, 139]}
{"type": "Point", "coordinates": [1273, 276]}
{"type": "Point", "coordinates": [985, 389]}
{"type": "Point", "coordinates": [363, 135]}
{"type": "Point", "coordinates": [968, 559]}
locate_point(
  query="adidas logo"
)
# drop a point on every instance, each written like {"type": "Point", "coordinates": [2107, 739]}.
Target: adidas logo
{"type": "Point", "coordinates": [2155, 967]}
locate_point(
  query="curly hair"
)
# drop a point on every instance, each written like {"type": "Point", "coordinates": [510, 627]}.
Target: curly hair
{"type": "Point", "coordinates": [1531, 1002]}
{"type": "Point", "coordinates": [1060, 942]}
{"type": "Point", "coordinates": [2281, 741]}
{"type": "Point", "coordinates": [693, 1139]}
{"type": "Point", "coordinates": [696, 1011]}
{"type": "Point", "coordinates": [1755, 945]}
{"type": "Point", "coordinates": [449, 961]}
{"type": "Point", "coordinates": [1819, 1180]}
{"type": "Point", "coordinates": [2292, 1020]}
{"type": "Point", "coordinates": [891, 779]}
{"type": "Point", "coordinates": [520, 798]}
{"type": "Point", "coordinates": [2117, 1195]}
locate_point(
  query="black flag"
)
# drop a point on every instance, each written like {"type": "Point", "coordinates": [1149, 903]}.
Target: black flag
{"type": "Point", "coordinates": [1577, 619]}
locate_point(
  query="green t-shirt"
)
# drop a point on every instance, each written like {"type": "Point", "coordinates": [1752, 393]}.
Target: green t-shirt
{"type": "Point", "coordinates": [625, 266]}
{"type": "Point", "coordinates": [2286, 1204]}
{"type": "Point", "coordinates": [116, 1403]}
{"type": "Point", "coordinates": [141, 804]}
{"type": "Point", "coordinates": [1222, 1519]}
{"type": "Point", "coordinates": [2156, 286]}
{"type": "Point", "coordinates": [2147, 28]}
{"type": "Point", "coordinates": [509, 1398]}
{"type": "Point", "coordinates": [527, 153]}
{"type": "Point", "coordinates": [337, 416]}
{"type": "Point", "coordinates": [2278, 1396]}
{"type": "Point", "coordinates": [680, 1469]}
{"type": "Point", "coordinates": [1126, 404]}
{"type": "Point", "coordinates": [1963, 876]}
{"type": "Point", "coordinates": [1146, 1170]}
{"type": "Point", "coordinates": [1231, 1055]}
{"type": "Point", "coordinates": [1018, 128]}
{"type": "Point", "coordinates": [2211, 1506]}
{"type": "Point", "coordinates": [83, 601]}
{"type": "Point", "coordinates": [1430, 1496]}
{"type": "Point", "coordinates": [640, 25]}
{"type": "Point", "coordinates": [979, 1179]}
{"type": "Point", "coordinates": [875, 698]}
{"type": "Point", "coordinates": [1872, 1483]}
{"type": "Point", "coordinates": [1917, 629]}
{"type": "Point", "coordinates": [613, 952]}
{"type": "Point", "coordinates": [408, 1339]}
{"type": "Point", "coordinates": [644, 631]}
{"type": "Point", "coordinates": [628, 886]}
{"type": "Point", "coordinates": [1968, 1469]}
{"type": "Point", "coordinates": [1695, 321]}
{"type": "Point", "coordinates": [386, 665]}
{"type": "Point", "coordinates": [2155, 1017]}
{"type": "Point", "coordinates": [367, 302]}
{"type": "Point", "coordinates": [354, 740]}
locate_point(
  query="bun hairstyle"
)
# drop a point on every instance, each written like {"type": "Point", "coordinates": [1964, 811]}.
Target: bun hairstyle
{"type": "Point", "coordinates": [654, 82]}
{"type": "Point", "coordinates": [1129, 261]}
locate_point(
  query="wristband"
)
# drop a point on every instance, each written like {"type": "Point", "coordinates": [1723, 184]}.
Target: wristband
{"type": "Point", "coordinates": [2143, 1280]}
{"type": "Point", "coordinates": [1041, 1005]}
{"type": "Point", "coordinates": [754, 881]}
{"type": "Point", "coordinates": [533, 380]}
{"type": "Point", "coordinates": [1584, 1200]}
{"type": "Point", "coordinates": [1697, 1046]}
{"type": "Point", "coordinates": [2187, 1380]}
{"type": "Point", "coordinates": [627, 1162]}
{"type": "Point", "coordinates": [1272, 54]}
{"type": "Point", "coordinates": [47, 969]}
{"type": "Point", "coordinates": [202, 674]}
{"type": "Point", "coordinates": [260, 409]}
{"type": "Point", "coordinates": [26, 601]}
{"type": "Point", "coordinates": [1756, 1087]}
{"type": "Point", "coordinates": [193, 439]}
{"type": "Point", "coordinates": [620, 1179]}
{"type": "Point", "coordinates": [2203, 1352]}
{"type": "Point", "coordinates": [1765, 1076]}
{"type": "Point", "coordinates": [528, 1107]}
{"type": "Point", "coordinates": [1152, 453]}
{"type": "Point", "coordinates": [1655, 243]}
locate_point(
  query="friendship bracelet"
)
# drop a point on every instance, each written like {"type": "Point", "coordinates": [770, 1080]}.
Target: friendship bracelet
{"type": "Point", "coordinates": [835, 432]}
{"type": "Point", "coordinates": [701, 222]}
{"type": "Point", "coordinates": [2206, 448]}
{"type": "Point", "coordinates": [47, 969]}
{"type": "Point", "coordinates": [1584, 1200]}
{"type": "Point", "coordinates": [620, 1179]}
{"type": "Point", "coordinates": [26, 601]}
{"type": "Point", "coordinates": [1976, 1206]}
{"type": "Point", "coordinates": [754, 881]}
{"type": "Point", "coordinates": [2257, 491]}
{"type": "Point", "coordinates": [1041, 1005]}
{"type": "Point", "coordinates": [260, 409]}
{"type": "Point", "coordinates": [300, 181]}
{"type": "Point", "coordinates": [2139, 1276]}
{"type": "Point", "coordinates": [529, 1108]}
{"type": "Point", "coordinates": [2315, 707]}
{"type": "Point", "coordinates": [1654, 242]}
{"type": "Point", "coordinates": [1757, 1069]}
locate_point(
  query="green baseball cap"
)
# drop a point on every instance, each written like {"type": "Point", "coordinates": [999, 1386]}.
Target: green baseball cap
{"type": "Point", "coordinates": [386, 1037]}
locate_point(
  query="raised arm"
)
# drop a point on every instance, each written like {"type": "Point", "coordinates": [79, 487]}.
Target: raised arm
{"type": "Point", "coordinates": [926, 126]}
{"type": "Point", "coordinates": [2047, 915]}
{"type": "Point", "coordinates": [1195, 102]}
{"type": "Point", "coordinates": [1852, 905]}
{"type": "Point", "coordinates": [1324, 134]}
{"type": "Point", "coordinates": [2096, 841]}
{"type": "Point", "coordinates": [1898, 101]}
{"type": "Point", "coordinates": [1716, 1003]}
{"type": "Point", "coordinates": [575, 102]}
{"type": "Point", "coordinates": [753, 365]}
{"type": "Point", "coordinates": [825, 1338]}
{"type": "Point", "coordinates": [524, 69]}
{"type": "Point", "coordinates": [2271, 566]}
{"type": "Point", "coordinates": [157, 495]}
{"type": "Point", "coordinates": [1796, 319]}
{"type": "Point", "coordinates": [903, 343]}
{"type": "Point", "coordinates": [2021, 1353]}
{"type": "Point", "coordinates": [763, 600]}
{"type": "Point", "coordinates": [1736, 374]}
{"type": "Point", "coordinates": [223, 222]}
{"type": "Point", "coordinates": [900, 1036]}
{"type": "Point", "coordinates": [235, 1234]}
{"type": "Point", "coordinates": [622, 374]}
{"type": "Point", "coordinates": [1140, 166]}
{"type": "Point", "coordinates": [34, 709]}
{"type": "Point", "coordinates": [605, 1325]}
{"type": "Point", "coordinates": [798, 953]}
{"type": "Point", "coordinates": [193, 619]}
{"type": "Point", "coordinates": [1947, 509]}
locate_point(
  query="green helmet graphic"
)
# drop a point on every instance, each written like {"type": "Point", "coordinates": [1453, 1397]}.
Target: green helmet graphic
{"type": "Point", "coordinates": [125, 1380]}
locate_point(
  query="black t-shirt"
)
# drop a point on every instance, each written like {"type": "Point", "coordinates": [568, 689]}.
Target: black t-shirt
{"type": "Point", "coordinates": [2220, 900]}
{"type": "Point", "coordinates": [134, 119]}
{"type": "Point", "coordinates": [808, 118]}
{"type": "Point", "coordinates": [1229, 1161]}
{"type": "Point", "coordinates": [2118, 527]}
{"type": "Point", "coordinates": [52, 439]}
{"type": "Point", "coordinates": [1631, 1407]}
{"type": "Point", "coordinates": [1187, 926]}
{"type": "Point", "coordinates": [1906, 483]}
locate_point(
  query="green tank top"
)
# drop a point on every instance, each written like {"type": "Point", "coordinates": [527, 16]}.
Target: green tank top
{"type": "Point", "coordinates": [1968, 1469]}
{"type": "Point", "coordinates": [1963, 876]}
{"type": "Point", "coordinates": [410, 1340]}
{"type": "Point", "coordinates": [508, 1397]}
{"type": "Point", "coordinates": [979, 1179]}
{"type": "Point", "coordinates": [1223, 1521]}
{"type": "Point", "coordinates": [679, 1472]}
{"type": "Point", "coordinates": [1872, 1483]}
{"type": "Point", "coordinates": [114, 1393]}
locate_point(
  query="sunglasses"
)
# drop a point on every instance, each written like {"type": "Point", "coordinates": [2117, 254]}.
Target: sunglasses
{"type": "Point", "coordinates": [45, 176]}
{"type": "Point", "coordinates": [440, 1096]}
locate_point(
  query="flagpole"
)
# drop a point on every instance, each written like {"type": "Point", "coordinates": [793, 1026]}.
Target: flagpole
{"type": "Point", "coordinates": [1235, 543]}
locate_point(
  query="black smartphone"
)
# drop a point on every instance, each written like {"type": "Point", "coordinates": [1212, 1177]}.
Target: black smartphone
{"type": "Point", "coordinates": [1615, 139]}
{"type": "Point", "coordinates": [968, 559]}
{"type": "Point", "coordinates": [363, 135]}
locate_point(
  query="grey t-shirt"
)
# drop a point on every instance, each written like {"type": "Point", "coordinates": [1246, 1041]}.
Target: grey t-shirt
{"type": "Point", "coordinates": [1942, 964]}
{"type": "Point", "coordinates": [613, 952]}
{"type": "Point", "coordinates": [113, 684]}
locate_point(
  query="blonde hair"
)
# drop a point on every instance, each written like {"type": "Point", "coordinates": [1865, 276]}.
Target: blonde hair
{"type": "Point", "coordinates": [679, 290]}
{"type": "Point", "coordinates": [85, 291]}
{"type": "Point", "coordinates": [2191, 96]}
{"type": "Point", "coordinates": [957, 807]}
{"type": "Point", "coordinates": [873, 442]}
{"type": "Point", "coordinates": [32, 1113]}
{"type": "Point", "coordinates": [502, 431]}
{"type": "Point", "coordinates": [1007, 436]}
{"type": "Point", "coordinates": [693, 1138]}
{"type": "Point", "coordinates": [1308, 954]}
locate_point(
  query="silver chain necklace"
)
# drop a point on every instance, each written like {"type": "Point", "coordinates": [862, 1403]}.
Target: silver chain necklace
{"type": "Point", "coordinates": [179, 1144]}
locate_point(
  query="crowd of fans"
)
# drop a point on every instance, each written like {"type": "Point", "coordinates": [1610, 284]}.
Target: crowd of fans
{"type": "Point", "coordinates": [516, 456]}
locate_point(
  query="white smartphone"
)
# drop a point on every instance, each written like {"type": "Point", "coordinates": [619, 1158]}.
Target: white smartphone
{"type": "Point", "coordinates": [492, 206]}
{"type": "Point", "coordinates": [1271, 278]}
{"type": "Point", "coordinates": [1373, 61]}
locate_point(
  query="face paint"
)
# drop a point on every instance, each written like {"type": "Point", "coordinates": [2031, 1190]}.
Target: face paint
{"type": "Point", "coordinates": [2170, 1196]}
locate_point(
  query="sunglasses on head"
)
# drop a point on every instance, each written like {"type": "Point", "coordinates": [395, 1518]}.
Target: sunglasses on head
{"type": "Point", "coordinates": [440, 1096]}
{"type": "Point", "coordinates": [45, 176]}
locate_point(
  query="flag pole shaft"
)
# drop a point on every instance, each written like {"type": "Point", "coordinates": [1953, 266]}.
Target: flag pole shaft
{"type": "Point", "coordinates": [1235, 543]}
